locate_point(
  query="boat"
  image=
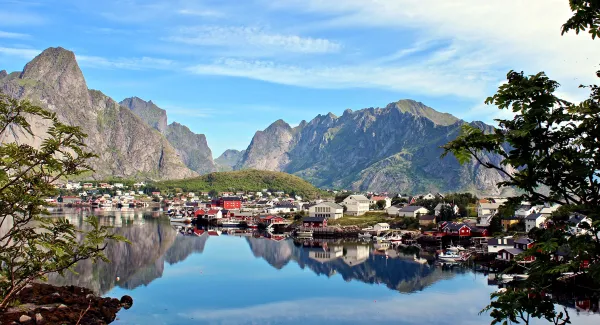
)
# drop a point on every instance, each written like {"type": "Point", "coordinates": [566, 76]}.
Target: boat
{"type": "Point", "coordinates": [304, 233]}
{"type": "Point", "coordinates": [365, 235]}
{"type": "Point", "coordinates": [230, 224]}
{"type": "Point", "coordinates": [393, 238]}
{"type": "Point", "coordinates": [180, 218]}
{"type": "Point", "coordinates": [449, 257]}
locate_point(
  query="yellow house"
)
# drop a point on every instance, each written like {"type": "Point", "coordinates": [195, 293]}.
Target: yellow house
{"type": "Point", "coordinates": [506, 223]}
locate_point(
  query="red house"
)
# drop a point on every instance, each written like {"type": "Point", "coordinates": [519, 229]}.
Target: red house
{"type": "Point", "coordinates": [314, 222]}
{"type": "Point", "coordinates": [228, 202]}
{"type": "Point", "coordinates": [272, 219]}
{"type": "Point", "coordinates": [457, 229]}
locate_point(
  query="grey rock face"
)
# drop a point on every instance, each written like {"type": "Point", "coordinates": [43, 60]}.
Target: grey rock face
{"type": "Point", "coordinates": [192, 148]}
{"type": "Point", "coordinates": [3, 74]}
{"type": "Point", "coordinates": [229, 159]}
{"type": "Point", "coordinates": [396, 148]}
{"type": "Point", "coordinates": [126, 146]}
{"type": "Point", "coordinates": [148, 112]}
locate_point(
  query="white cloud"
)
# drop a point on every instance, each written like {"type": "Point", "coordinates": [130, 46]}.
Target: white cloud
{"type": "Point", "coordinates": [521, 35]}
{"type": "Point", "coordinates": [254, 37]}
{"type": "Point", "coordinates": [13, 35]}
{"type": "Point", "coordinates": [200, 12]}
{"type": "Point", "coordinates": [19, 52]}
{"type": "Point", "coordinates": [125, 63]}
{"type": "Point", "coordinates": [430, 76]}
{"type": "Point", "coordinates": [8, 18]}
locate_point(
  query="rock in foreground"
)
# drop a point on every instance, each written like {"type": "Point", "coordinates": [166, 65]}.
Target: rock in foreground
{"type": "Point", "coordinates": [46, 304]}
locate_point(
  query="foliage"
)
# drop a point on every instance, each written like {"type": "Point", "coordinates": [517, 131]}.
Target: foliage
{"type": "Point", "coordinates": [381, 204]}
{"type": "Point", "coordinates": [549, 144]}
{"type": "Point", "coordinates": [32, 246]}
{"type": "Point", "coordinates": [243, 180]}
{"type": "Point", "coordinates": [446, 213]}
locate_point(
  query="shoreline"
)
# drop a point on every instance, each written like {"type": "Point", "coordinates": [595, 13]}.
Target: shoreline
{"type": "Point", "coordinates": [41, 303]}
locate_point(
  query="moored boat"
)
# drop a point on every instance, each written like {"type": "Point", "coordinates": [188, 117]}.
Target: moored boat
{"type": "Point", "coordinates": [304, 233]}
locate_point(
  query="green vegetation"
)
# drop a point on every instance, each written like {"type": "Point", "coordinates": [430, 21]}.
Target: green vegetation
{"type": "Point", "coordinates": [244, 180]}
{"type": "Point", "coordinates": [33, 246]}
{"type": "Point", "coordinates": [552, 144]}
{"type": "Point", "coordinates": [367, 219]}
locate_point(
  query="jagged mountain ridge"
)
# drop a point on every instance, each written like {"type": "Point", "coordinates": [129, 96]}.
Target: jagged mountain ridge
{"type": "Point", "coordinates": [125, 145]}
{"type": "Point", "coordinates": [396, 148]}
{"type": "Point", "coordinates": [191, 147]}
{"type": "Point", "coordinates": [229, 159]}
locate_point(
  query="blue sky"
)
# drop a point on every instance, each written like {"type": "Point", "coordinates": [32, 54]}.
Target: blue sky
{"type": "Point", "coordinates": [230, 68]}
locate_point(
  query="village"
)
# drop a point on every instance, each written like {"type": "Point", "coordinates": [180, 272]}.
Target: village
{"type": "Point", "coordinates": [458, 226]}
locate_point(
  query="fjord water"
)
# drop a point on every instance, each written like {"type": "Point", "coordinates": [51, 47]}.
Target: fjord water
{"type": "Point", "coordinates": [224, 279]}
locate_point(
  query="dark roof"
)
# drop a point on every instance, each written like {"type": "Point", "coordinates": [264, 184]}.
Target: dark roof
{"type": "Point", "coordinates": [456, 226]}
{"type": "Point", "coordinates": [524, 241]}
{"type": "Point", "coordinates": [313, 219]}
{"type": "Point", "coordinates": [427, 217]}
{"type": "Point", "coordinates": [576, 219]}
{"type": "Point", "coordinates": [285, 204]}
{"type": "Point", "coordinates": [513, 251]}
{"type": "Point", "coordinates": [533, 216]}
{"type": "Point", "coordinates": [231, 198]}
{"type": "Point", "coordinates": [501, 241]}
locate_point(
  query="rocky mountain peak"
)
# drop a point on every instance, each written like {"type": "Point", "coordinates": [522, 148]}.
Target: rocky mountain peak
{"type": "Point", "coordinates": [3, 74]}
{"type": "Point", "coordinates": [279, 124]}
{"type": "Point", "coordinates": [419, 109]}
{"type": "Point", "coordinates": [57, 68]}
{"type": "Point", "coordinates": [148, 112]}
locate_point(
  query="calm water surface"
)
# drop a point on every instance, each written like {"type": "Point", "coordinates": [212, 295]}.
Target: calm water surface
{"type": "Point", "coordinates": [176, 279]}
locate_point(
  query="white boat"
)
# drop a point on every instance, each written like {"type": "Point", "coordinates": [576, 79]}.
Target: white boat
{"type": "Point", "coordinates": [365, 235]}
{"type": "Point", "coordinates": [230, 224]}
{"type": "Point", "coordinates": [393, 238]}
{"type": "Point", "coordinates": [180, 218]}
{"type": "Point", "coordinates": [456, 248]}
{"type": "Point", "coordinates": [304, 233]}
{"type": "Point", "coordinates": [449, 257]}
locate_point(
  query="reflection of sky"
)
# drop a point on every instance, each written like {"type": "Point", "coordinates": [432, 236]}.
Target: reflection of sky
{"type": "Point", "coordinates": [228, 285]}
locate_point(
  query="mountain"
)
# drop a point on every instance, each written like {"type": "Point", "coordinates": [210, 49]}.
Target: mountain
{"type": "Point", "coordinates": [148, 112]}
{"type": "Point", "coordinates": [396, 148]}
{"type": "Point", "coordinates": [228, 159]}
{"type": "Point", "coordinates": [191, 147]}
{"type": "Point", "coordinates": [243, 180]}
{"type": "Point", "coordinates": [126, 146]}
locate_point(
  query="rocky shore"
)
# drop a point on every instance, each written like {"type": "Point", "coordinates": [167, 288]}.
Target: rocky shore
{"type": "Point", "coordinates": [46, 304]}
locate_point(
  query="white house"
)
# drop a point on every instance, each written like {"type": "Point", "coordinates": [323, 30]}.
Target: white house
{"type": "Point", "coordinates": [412, 211]}
{"type": "Point", "coordinates": [484, 209]}
{"type": "Point", "coordinates": [118, 185]}
{"type": "Point", "coordinates": [388, 201]}
{"type": "Point", "coordinates": [393, 210]}
{"type": "Point", "coordinates": [428, 196]}
{"type": "Point", "coordinates": [534, 220]}
{"type": "Point", "coordinates": [356, 205]}
{"type": "Point", "coordinates": [381, 227]}
{"type": "Point", "coordinates": [525, 210]}
{"type": "Point", "coordinates": [328, 210]}
{"type": "Point", "coordinates": [577, 227]}
{"type": "Point", "coordinates": [494, 245]}
{"type": "Point", "coordinates": [323, 255]}
{"type": "Point", "coordinates": [356, 254]}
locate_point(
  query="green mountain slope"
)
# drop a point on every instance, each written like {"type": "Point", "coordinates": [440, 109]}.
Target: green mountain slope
{"type": "Point", "coordinates": [244, 180]}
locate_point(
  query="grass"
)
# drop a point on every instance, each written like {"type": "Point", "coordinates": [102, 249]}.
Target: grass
{"type": "Point", "coordinates": [367, 219]}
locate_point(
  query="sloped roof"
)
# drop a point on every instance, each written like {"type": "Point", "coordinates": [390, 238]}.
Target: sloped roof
{"type": "Point", "coordinates": [331, 205]}
{"type": "Point", "coordinates": [427, 217]}
{"type": "Point", "coordinates": [313, 219]}
{"type": "Point", "coordinates": [411, 208]}
{"type": "Point", "coordinates": [534, 216]}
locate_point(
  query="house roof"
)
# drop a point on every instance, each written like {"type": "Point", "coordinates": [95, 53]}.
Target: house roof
{"type": "Point", "coordinates": [576, 219]}
{"type": "Point", "coordinates": [524, 241]}
{"type": "Point", "coordinates": [330, 204]}
{"type": "Point", "coordinates": [501, 242]}
{"type": "Point", "coordinates": [456, 226]}
{"type": "Point", "coordinates": [357, 198]}
{"type": "Point", "coordinates": [213, 211]}
{"type": "Point", "coordinates": [411, 208]}
{"type": "Point", "coordinates": [489, 205]}
{"type": "Point", "coordinates": [534, 216]}
{"type": "Point", "coordinates": [427, 217]}
{"type": "Point", "coordinates": [378, 198]}
{"type": "Point", "coordinates": [231, 198]}
{"type": "Point", "coordinates": [383, 224]}
{"type": "Point", "coordinates": [513, 251]}
{"type": "Point", "coordinates": [313, 219]}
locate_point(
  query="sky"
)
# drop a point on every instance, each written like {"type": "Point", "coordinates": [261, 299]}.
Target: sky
{"type": "Point", "coordinates": [229, 68]}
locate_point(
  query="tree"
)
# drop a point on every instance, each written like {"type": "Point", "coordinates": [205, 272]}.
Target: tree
{"type": "Point", "coordinates": [31, 245]}
{"type": "Point", "coordinates": [381, 204]}
{"type": "Point", "coordinates": [213, 193]}
{"type": "Point", "coordinates": [550, 153]}
{"type": "Point", "coordinates": [447, 213]}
